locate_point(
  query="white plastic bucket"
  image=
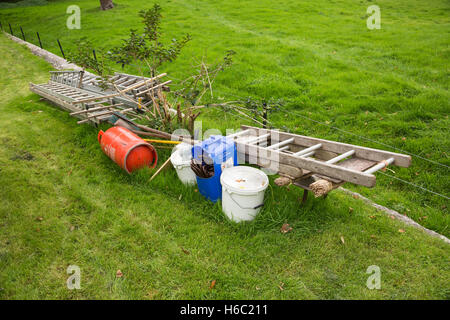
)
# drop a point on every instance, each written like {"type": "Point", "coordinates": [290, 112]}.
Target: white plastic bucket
{"type": "Point", "coordinates": [243, 192]}
{"type": "Point", "coordinates": [181, 161]}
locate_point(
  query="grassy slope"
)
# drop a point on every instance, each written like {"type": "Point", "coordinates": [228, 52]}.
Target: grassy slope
{"type": "Point", "coordinates": [123, 222]}
{"type": "Point", "coordinates": [385, 85]}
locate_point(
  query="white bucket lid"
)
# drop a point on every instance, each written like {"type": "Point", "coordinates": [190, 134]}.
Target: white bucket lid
{"type": "Point", "coordinates": [244, 180]}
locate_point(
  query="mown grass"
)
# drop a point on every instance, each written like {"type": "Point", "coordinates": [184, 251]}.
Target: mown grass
{"type": "Point", "coordinates": [70, 204]}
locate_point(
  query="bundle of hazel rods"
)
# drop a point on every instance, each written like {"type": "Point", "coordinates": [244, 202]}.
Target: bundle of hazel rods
{"type": "Point", "coordinates": [203, 169]}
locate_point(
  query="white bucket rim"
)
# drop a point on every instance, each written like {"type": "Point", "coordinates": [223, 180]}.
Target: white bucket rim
{"type": "Point", "coordinates": [245, 169]}
{"type": "Point", "coordinates": [177, 160]}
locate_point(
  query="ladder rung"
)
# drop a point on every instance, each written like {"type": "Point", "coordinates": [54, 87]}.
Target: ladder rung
{"type": "Point", "coordinates": [280, 144]}
{"type": "Point", "coordinates": [121, 80]}
{"type": "Point", "coordinates": [258, 138]}
{"type": "Point", "coordinates": [309, 154]}
{"type": "Point", "coordinates": [115, 77]}
{"type": "Point", "coordinates": [302, 152]}
{"type": "Point", "coordinates": [380, 165]}
{"type": "Point", "coordinates": [342, 156]}
{"type": "Point", "coordinates": [90, 81]}
{"type": "Point", "coordinates": [128, 82]}
{"type": "Point", "coordinates": [87, 79]}
{"type": "Point", "coordinates": [237, 134]}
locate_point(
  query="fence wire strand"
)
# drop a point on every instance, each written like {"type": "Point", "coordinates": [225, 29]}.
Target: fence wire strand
{"type": "Point", "coordinates": [368, 139]}
{"type": "Point", "coordinates": [381, 143]}
{"type": "Point", "coordinates": [415, 185]}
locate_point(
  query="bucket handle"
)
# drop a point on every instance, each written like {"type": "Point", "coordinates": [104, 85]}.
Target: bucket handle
{"type": "Point", "coordinates": [100, 135]}
{"type": "Point", "coordinates": [253, 208]}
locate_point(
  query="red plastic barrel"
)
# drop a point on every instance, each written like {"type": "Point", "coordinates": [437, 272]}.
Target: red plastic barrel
{"type": "Point", "coordinates": [126, 149]}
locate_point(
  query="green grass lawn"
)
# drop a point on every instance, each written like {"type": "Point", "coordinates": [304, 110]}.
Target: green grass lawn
{"type": "Point", "coordinates": [63, 202]}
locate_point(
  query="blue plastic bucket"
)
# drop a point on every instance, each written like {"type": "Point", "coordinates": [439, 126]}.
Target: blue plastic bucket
{"type": "Point", "coordinates": [210, 188]}
{"type": "Point", "coordinates": [223, 153]}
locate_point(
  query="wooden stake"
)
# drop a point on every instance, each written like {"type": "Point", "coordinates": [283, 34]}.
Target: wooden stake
{"type": "Point", "coordinates": [159, 170]}
{"type": "Point", "coordinates": [95, 109]}
{"type": "Point", "coordinates": [103, 114]}
{"type": "Point", "coordinates": [153, 88]}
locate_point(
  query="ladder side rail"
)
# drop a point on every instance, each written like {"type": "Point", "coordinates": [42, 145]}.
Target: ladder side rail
{"type": "Point", "coordinates": [377, 155]}
{"type": "Point", "coordinates": [313, 165]}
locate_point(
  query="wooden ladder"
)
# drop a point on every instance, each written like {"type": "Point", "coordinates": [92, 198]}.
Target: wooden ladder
{"type": "Point", "coordinates": [85, 105]}
{"type": "Point", "coordinates": [81, 93]}
{"type": "Point", "coordinates": [304, 159]}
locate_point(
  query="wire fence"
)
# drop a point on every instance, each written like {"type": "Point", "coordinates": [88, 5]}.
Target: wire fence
{"type": "Point", "coordinates": [368, 139]}
{"type": "Point", "coordinates": [38, 39]}
{"type": "Point", "coordinates": [415, 185]}
{"type": "Point", "coordinates": [383, 144]}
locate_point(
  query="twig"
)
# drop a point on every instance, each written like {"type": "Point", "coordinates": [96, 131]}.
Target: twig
{"type": "Point", "coordinates": [246, 115]}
